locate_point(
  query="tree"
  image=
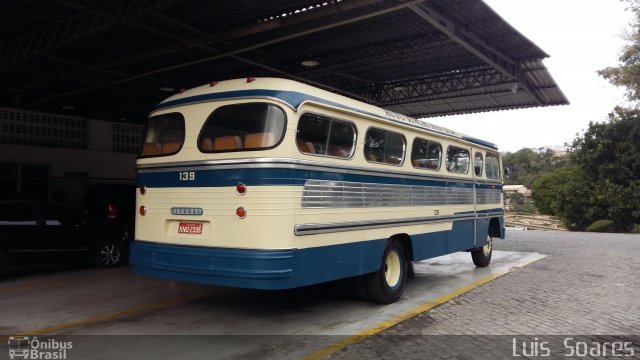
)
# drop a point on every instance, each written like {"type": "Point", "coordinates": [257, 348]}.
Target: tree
{"type": "Point", "coordinates": [627, 73]}
{"type": "Point", "coordinates": [609, 155]}
{"type": "Point", "coordinates": [526, 165]}
{"type": "Point", "coordinates": [566, 193]}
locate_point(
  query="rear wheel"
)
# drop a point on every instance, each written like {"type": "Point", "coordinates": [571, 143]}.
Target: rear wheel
{"type": "Point", "coordinates": [387, 284]}
{"type": "Point", "coordinates": [482, 256]}
{"type": "Point", "coordinates": [109, 254]}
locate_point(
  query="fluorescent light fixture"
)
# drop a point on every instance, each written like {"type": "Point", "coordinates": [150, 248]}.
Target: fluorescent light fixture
{"type": "Point", "coordinates": [310, 63]}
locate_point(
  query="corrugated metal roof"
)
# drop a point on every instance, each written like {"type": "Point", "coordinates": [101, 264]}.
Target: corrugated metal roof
{"type": "Point", "coordinates": [419, 58]}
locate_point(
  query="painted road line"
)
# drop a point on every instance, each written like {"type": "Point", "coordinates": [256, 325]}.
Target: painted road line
{"type": "Point", "coordinates": [358, 337]}
{"type": "Point", "coordinates": [111, 316]}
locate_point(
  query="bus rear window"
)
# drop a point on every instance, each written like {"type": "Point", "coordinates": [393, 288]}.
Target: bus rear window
{"type": "Point", "coordinates": [242, 127]}
{"type": "Point", "coordinates": [165, 135]}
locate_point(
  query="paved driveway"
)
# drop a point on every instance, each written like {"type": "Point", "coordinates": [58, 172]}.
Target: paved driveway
{"type": "Point", "coordinates": [589, 285]}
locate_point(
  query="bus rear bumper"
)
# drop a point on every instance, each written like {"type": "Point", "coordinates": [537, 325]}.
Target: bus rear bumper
{"type": "Point", "coordinates": [244, 268]}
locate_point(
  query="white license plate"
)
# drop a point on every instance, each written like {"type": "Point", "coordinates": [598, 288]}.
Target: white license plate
{"type": "Point", "coordinates": [190, 228]}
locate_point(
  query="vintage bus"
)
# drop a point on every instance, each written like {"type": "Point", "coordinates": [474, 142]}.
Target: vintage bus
{"type": "Point", "coordinates": [269, 183]}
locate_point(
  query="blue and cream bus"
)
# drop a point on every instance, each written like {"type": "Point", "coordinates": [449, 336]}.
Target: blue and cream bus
{"type": "Point", "coordinates": [272, 184]}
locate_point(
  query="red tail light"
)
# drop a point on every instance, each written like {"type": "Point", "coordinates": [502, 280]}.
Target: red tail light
{"type": "Point", "coordinates": [112, 211]}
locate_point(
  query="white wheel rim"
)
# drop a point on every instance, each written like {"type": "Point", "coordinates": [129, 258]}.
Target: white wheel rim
{"type": "Point", "coordinates": [486, 250]}
{"type": "Point", "coordinates": [392, 269]}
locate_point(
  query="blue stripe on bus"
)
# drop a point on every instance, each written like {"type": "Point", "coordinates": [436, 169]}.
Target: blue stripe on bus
{"type": "Point", "coordinates": [295, 99]}
{"type": "Point", "coordinates": [284, 269]}
{"type": "Point", "coordinates": [275, 177]}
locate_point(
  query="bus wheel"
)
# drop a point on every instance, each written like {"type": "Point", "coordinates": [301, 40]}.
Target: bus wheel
{"type": "Point", "coordinates": [482, 256]}
{"type": "Point", "coordinates": [386, 285]}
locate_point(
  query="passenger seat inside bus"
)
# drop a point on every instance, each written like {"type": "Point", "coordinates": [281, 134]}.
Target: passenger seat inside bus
{"type": "Point", "coordinates": [258, 140]}
{"type": "Point", "coordinates": [151, 149]}
{"type": "Point", "coordinates": [227, 143]}
{"type": "Point", "coordinates": [170, 147]}
{"type": "Point", "coordinates": [307, 147]}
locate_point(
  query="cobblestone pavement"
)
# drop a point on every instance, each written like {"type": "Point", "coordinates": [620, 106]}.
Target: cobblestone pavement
{"type": "Point", "coordinates": [589, 285]}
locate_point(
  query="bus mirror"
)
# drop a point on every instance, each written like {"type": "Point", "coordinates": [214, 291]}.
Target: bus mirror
{"type": "Point", "coordinates": [506, 172]}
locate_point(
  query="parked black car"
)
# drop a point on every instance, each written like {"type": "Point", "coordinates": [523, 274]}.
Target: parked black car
{"type": "Point", "coordinates": [35, 233]}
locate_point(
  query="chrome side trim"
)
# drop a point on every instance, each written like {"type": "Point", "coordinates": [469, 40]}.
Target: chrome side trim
{"type": "Point", "coordinates": [324, 228]}
{"type": "Point", "coordinates": [488, 196]}
{"type": "Point", "coordinates": [343, 194]}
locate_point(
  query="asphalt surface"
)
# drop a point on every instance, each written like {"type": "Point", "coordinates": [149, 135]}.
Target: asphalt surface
{"type": "Point", "coordinates": [582, 300]}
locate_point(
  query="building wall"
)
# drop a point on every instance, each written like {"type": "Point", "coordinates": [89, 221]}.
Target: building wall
{"type": "Point", "coordinates": [55, 157]}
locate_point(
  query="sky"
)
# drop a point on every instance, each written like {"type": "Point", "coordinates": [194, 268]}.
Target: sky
{"type": "Point", "coordinates": [581, 37]}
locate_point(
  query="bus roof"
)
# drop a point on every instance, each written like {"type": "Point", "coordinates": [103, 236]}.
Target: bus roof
{"type": "Point", "coordinates": [294, 94]}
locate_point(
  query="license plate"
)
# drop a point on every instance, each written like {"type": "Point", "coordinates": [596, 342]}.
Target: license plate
{"type": "Point", "coordinates": [190, 228]}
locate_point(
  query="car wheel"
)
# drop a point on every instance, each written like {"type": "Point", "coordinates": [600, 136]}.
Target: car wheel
{"type": "Point", "coordinates": [482, 256]}
{"type": "Point", "coordinates": [109, 254]}
{"type": "Point", "coordinates": [387, 284]}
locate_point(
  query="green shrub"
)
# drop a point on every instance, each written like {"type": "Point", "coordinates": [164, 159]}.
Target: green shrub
{"type": "Point", "coordinates": [604, 226]}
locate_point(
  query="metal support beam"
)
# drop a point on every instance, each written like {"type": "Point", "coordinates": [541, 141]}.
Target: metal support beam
{"type": "Point", "coordinates": [475, 46]}
{"type": "Point", "coordinates": [443, 86]}
{"type": "Point", "coordinates": [74, 28]}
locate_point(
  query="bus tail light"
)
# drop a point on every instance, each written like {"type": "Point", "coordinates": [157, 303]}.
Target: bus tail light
{"type": "Point", "coordinates": [143, 190]}
{"type": "Point", "coordinates": [241, 188]}
{"type": "Point", "coordinates": [143, 210]}
{"type": "Point", "coordinates": [241, 212]}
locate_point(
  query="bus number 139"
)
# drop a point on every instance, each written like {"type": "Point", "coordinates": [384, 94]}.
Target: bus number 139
{"type": "Point", "coordinates": [187, 175]}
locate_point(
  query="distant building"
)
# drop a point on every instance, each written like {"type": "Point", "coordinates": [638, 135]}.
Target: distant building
{"type": "Point", "coordinates": [520, 189]}
{"type": "Point", "coordinates": [509, 190]}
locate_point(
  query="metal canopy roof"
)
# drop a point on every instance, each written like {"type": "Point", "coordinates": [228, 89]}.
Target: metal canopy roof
{"type": "Point", "coordinates": [108, 59]}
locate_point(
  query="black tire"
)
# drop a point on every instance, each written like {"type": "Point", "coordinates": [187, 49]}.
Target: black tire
{"type": "Point", "coordinates": [386, 285]}
{"type": "Point", "coordinates": [482, 256]}
{"type": "Point", "coordinates": [110, 254]}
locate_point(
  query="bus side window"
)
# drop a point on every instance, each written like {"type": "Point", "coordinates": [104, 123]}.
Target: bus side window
{"type": "Point", "coordinates": [457, 160]}
{"type": "Point", "coordinates": [426, 154]}
{"type": "Point", "coordinates": [320, 135]}
{"type": "Point", "coordinates": [492, 166]}
{"type": "Point", "coordinates": [384, 147]}
{"type": "Point", "coordinates": [477, 164]}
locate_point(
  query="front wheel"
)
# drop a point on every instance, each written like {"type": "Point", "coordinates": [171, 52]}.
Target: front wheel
{"type": "Point", "coordinates": [109, 254]}
{"type": "Point", "coordinates": [482, 256]}
{"type": "Point", "coordinates": [387, 284]}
